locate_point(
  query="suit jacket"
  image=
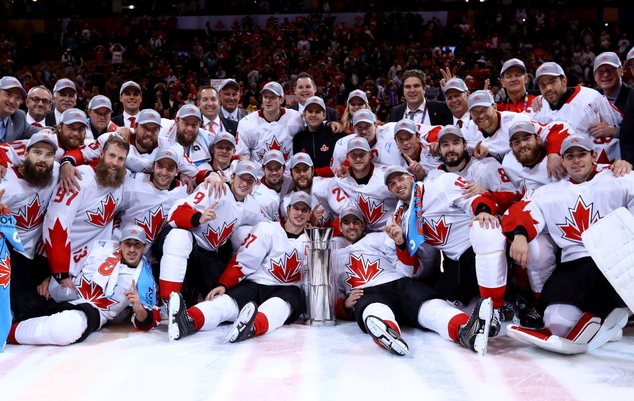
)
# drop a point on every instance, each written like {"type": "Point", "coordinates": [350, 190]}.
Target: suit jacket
{"type": "Point", "coordinates": [50, 120]}
{"type": "Point", "coordinates": [331, 114]}
{"type": "Point", "coordinates": [626, 134]}
{"type": "Point", "coordinates": [230, 125]}
{"type": "Point", "coordinates": [439, 113]}
{"type": "Point", "coordinates": [621, 99]}
{"type": "Point", "coordinates": [118, 119]}
{"type": "Point", "coordinates": [18, 128]}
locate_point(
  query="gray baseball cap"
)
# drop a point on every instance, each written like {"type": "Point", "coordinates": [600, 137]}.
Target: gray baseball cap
{"type": "Point", "coordinates": [579, 141]}
{"type": "Point", "coordinates": [63, 84]}
{"type": "Point", "coordinates": [521, 126]}
{"type": "Point", "coordinates": [133, 232]}
{"type": "Point", "coordinates": [273, 156]}
{"type": "Point", "coordinates": [609, 58]}
{"type": "Point", "coordinates": [550, 69]}
{"type": "Point", "coordinates": [98, 102]}
{"type": "Point", "coordinates": [247, 167]}
{"type": "Point", "coordinates": [358, 93]}
{"type": "Point", "coordinates": [480, 98]}
{"type": "Point", "coordinates": [351, 211]}
{"type": "Point", "coordinates": [301, 158]}
{"type": "Point", "coordinates": [189, 110]}
{"type": "Point", "coordinates": [44, 135]}
{"type": "Point", "coordinates": [74, 116]}
{"type": "Point", "coordinates": [229, 82]}
{"type": "Point", "coordinates": [298, 197]}
{"type": "Point", "coordinates": [358, 143]}
{"type": "Point", "coordinates": [629, 58]}
{"type": "Point", "coordinates": [166, 153]}
{"type": "Point", "coordinates": [406, 125]}
{"type": "Point", "coordinates": [315, 100]}
{"type": "Point", "coordinates": [450, 130]}
{"type": "Point", "coordinates": [273, 87]}
{"type": "Point", "coordinates": [147, 116]}
{"type": "Point", "coordinates": [224, 136]}
{"type": "Point", "coordinates": [8, 82]}
{"type": "Point", "coordinates": [455, 83]}
{"type": "Point", "coordinates": [129, 84]}
{"type": "Point", "coordinates": [395, 169]}
{"type": "Point", "coordinates": [512, 63]}
{"type": "Point", "coordinates": [363, 115]}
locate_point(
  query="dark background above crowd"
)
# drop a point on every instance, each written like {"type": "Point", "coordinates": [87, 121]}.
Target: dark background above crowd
{"type": "Point", "coordinates": [43, 41]}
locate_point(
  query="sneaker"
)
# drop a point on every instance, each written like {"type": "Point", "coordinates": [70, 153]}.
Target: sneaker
{"type": "Point", "coordinates": [386, 336]}
{"type": "Point", "coordinates": [495, 323]}
{"type": "Point", "coordinates": [475, 333]}
{"type": "Point", "coordinates": [179, 323]}
{"type": "Point", "coordinates": [242, 329]}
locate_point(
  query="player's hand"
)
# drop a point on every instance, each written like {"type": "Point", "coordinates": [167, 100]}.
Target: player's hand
{"type": "Point", "coordinates": [189, 183]}
{"type": "Point", "coordinates": [619, 168]}
{"type": "Point", "coordinates": [215, 184]}
{"type": "Point", "coordinates": [353, 297]}
{"type": "Point", "coordinates": [395, 232]}
{"type": "Point", "coordinates": [536, 104]}
{"type": "Point", "coordinates": [487, 220]}
{"type": "Point", "coordinates": [602, 129]}
{"type": "Point", "coordinates": [555, 167]}
{"type": "Point", "coordinates": [472, 189]}
{"type": "Point", "coordinates": [446, 76]}
{"type": "Point", "coordinates": [433, 148]}
{"type": "Point", "coordinates": [67, 282]}
{"type": "Point", "coordinates": [487, 86]}
{"type": "Point", "coordinates": [480, 151]}
{"type": "Point", "coordinates": [336, 127]}
{"type": "Point", "coordinates": [133, 297]}
{"type": "Point", "coordinates": [42, 289]}
{"type": "Point", "coordinates": [209, 214]}
{"type": "Point", "coordinates": [414, 167]}
{"type": "Point", "coordinates": [3, 205]}
{"type": "Point", "coordinates": [3, 171]}
{"type": "Point", "coordinates": [316, 215]}
{"type": "Point", "coordinates": [342, 172]}
{"type": "Point", "coordinates": [125, 133]}
{"type": "Point", "coordinates": [220, 290]}
{"type": "Point", "coordinates": [519, 250]}
{"type": "Point", "coordinates": [68, 178]}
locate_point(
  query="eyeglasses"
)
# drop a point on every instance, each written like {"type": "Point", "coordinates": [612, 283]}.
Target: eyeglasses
{"type": "Point", "coordinates": [38, 100]}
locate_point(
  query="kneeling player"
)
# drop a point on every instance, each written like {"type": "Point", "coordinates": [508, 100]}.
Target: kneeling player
{"type": "Point", "coordinates": [114, 276]}
{"type": "Point", "coordinates": [376, 274]}
{"type": "Point", "coordinates": [267, 272]}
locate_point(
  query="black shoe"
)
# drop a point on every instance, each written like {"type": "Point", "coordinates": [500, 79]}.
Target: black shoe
{"type": "Point", "coordinates": [475, 333]}
{"type": "Point", "coordinates": [179, 323]}
{"type": "Point", "coordinates": [386, 336]}
{"type": "Point", "coordinates": [243, 328]}
{"type": "Point", "coordinates": [508, 311]}
{"type": "Point", "coordinates": [496, 325]}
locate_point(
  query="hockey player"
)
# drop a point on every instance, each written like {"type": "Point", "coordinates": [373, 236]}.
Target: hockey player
{"type": "Point", "coordinates": [185, 130]}
{"type": "Point", "coordinates": [223, 150]}
{"type": "Point", "coordinates": [582, 108]}
{"type": "Point", "coordinates": [415, 152]}
{"type": "Point", "coordinates": [576, 288]}
{"type": "Point", "coordinates": [115, 275]}
{"type": "Point", "coordinates": [377, 278]}
{"type": "Point", "coordinates": [75, 220]}
{"type": "Point", "coordinates": [275, 177]}
{"type": "Point", "coordinates": [261, 291]}
{"type": "Point", "coordinates": [474, 254]}
{"type": "Point", "coordinates": [271, 127]}
{"type": "Point", "coordinates": [201, 224]}
{"type": "Point", "coordinates": [27, 189]}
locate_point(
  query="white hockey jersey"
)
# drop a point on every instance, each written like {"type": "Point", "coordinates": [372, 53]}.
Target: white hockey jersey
{"type": "Point", "coordinates": [324, 192]}
{"type": "Point", "coordinates": [256, 136]}
{"type": "Point", "coordinates": [268, 256]}
{"type": "Point", "coordinates": [369, 262]}
{"type": "Point", "coordinates": [583, 108]}
{"type": "Point", "coordinates": [198, 152]}
{"type": "Point", "coordinates": [74, 221]}
{"type": "Point", "coordinates": [27, 203]}
{"type": "Point", "coordinates": [567, 209]}
{"type": "Point", "coordinates": [384, 152]}
{"type": "Point", "coordinates": [498, 142]}
{"type": "Point", "coordinates": [230, 215]}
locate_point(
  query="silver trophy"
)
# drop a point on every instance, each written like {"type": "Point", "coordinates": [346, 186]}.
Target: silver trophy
{"type": "Point", "coordinates": [319, 278]}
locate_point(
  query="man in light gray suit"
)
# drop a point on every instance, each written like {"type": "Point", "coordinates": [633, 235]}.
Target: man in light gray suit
{"type": "Point", "coordinates": [13, 123]}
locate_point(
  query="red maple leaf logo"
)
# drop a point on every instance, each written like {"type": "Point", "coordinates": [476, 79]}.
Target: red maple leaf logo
{"type": "Point", "coordinates": [274, 145]}
{"type": "Point", "coordinates": [287, 269]}
{"type": "Point", "coordinates": [30, 216]}
{"type": "Point", "coordinates": [104, 215]}
{"type": "Point", "coordinates": [217, 237]}
{"type": "Point", "coordinates": [5, 270]}
{"type": "Point", "coordinates": [362, 271]}
{"type": "Point", "coordinates": [4, 158]}
{"type": "Point", "coordinates": [152, 224]}
{"type": "Point", "coordinates": [437, 232]}
{"type": "Point", "coordinates": [92, 293]}
{"type": "Point", "coordinates": [582, 216]}
{"type": "Point", "coordinates": [371, 212]}
{"type": "Point", "coordinates": [58, 247]}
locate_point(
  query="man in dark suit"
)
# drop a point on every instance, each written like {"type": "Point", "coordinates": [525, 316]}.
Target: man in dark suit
{"type": "Point", "coordinates": [13, 123]}
{"type": "Point", "coordinates": [416, 107]}
{"type": "Point", "coordinates": [627, 125]}
{"type": "Point", "coordinates": [229, 91]}
{"type": "Point", "coordinates": [213, 120]}
{"type": "Point", "coordinates": [305, 88]}
{"type": "Point", "coordinates": [131, 98]}
{"type": "Point", "coordinates": [65, 97]}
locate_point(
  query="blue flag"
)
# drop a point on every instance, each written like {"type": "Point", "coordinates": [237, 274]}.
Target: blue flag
{"type": "Point", "coordinates": [415, 235]}
{"type": "Point", "coordinates": [9, 234]}
{"type": "Point", "coordinates": [145, 284]}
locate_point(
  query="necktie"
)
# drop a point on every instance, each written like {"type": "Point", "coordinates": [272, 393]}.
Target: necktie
{"type": "Point", "coordinates": [412, 114]}
{"type": "Point", "coordinates": [36, 124]}
{"type": "Point", "coordinates": [230, 117]}
{"type": "Point", "coordinates": [132, 122]}
{"type": "Point", "coordinates": [459, 123]}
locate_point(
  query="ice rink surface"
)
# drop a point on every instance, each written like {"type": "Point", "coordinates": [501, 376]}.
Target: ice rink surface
{"type": "Point", "coordinates": [299, 362]}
